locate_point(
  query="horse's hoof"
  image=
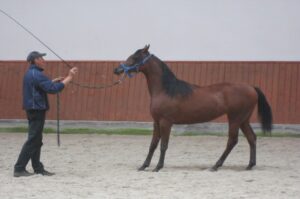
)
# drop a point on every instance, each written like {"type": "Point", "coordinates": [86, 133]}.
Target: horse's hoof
{"type": "Point", "coordinates": [156, 169]}
{"type": "Point", "coordinates": [142, 168]}
{"type": "Point", "coordinates": [249, 167]}
{"type": "Point", "coordinates": [213, 169]}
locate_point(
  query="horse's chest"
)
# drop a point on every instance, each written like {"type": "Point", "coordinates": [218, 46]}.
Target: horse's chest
{"type": "Point", "coordinates": [161, 107]}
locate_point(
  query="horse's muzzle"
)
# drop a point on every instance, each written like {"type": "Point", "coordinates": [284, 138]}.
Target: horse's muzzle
{"type": "Point", "coordinates": [118, 71]}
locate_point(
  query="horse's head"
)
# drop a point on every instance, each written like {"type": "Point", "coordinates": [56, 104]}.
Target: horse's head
{"type": "Point", "coordinates": [134, 62]}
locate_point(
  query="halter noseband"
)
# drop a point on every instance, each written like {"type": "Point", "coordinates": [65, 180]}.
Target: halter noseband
{"type": "Point", "coordinates": [136, 66]}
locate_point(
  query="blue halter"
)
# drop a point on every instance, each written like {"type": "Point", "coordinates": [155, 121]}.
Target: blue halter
{"type": "Point", "coordinates": [136, 66]}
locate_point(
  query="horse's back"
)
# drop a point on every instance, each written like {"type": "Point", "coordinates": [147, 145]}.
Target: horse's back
{"type": "Point", "coordinates": [232, 97]}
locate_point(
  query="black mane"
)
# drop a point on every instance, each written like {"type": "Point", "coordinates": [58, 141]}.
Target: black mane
{"type": "Point", "coordinates": [173, 86]}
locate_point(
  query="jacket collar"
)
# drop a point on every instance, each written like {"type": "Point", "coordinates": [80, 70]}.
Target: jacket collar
{"type": "Point", "coordinates": [36, 67]}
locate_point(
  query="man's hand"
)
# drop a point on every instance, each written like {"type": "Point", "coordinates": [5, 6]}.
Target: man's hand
{"type": "Point", "coordinates": [73, 71]}
{"type": "Point", "coordinates": [58, 79]}
{"type": "Point", "coordinates": [69, 78]}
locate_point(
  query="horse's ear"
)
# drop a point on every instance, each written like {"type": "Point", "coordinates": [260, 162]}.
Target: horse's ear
{"type": "Point", "coordinates": [146, 48]}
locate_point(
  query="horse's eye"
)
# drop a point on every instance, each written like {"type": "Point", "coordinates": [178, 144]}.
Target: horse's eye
{"type": "Point", "coordinates": [135, 58]}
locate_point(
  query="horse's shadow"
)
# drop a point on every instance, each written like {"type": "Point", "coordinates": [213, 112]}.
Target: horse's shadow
{"type": "Point", "coordinates": [189, 167]}
{"type": "Point", "coordinates": [208, 168]}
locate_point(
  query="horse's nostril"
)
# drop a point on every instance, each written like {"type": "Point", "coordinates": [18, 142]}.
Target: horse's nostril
{"type": "Point", "coordinates": [118, 71]}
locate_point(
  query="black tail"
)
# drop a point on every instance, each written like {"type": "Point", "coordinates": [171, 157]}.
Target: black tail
{"type": "Point", "coordinates": [264, 111]}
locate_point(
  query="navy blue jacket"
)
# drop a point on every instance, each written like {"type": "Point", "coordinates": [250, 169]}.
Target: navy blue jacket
{"type": "Point", "coordinates": [36, 85]}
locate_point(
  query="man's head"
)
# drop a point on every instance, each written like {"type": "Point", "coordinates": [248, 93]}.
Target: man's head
{"type": "Point", "coordinates": [36, 58]}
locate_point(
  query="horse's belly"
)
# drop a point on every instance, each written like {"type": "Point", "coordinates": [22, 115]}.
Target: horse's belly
{"type": "Point", "coordinates": [195, 115]}
{"type": "Point", "coordinates": [197, 109]}
{"type": "Point", "coordinates": [190, 118]}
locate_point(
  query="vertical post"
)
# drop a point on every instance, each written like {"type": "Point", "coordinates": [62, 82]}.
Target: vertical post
{"type": "Point", "coordinates": [57, 115]}
{"type": "Point", "coordinates": [58, 111]}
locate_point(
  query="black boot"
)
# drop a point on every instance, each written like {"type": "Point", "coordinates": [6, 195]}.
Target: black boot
{"type": "Point", "coordinates": [23, 173]}
{"type": "Point", "coordinates": [44, 173]}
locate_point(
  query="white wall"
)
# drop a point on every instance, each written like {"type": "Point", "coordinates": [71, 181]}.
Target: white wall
{"type": "Point", "coordinates": [176, 29]}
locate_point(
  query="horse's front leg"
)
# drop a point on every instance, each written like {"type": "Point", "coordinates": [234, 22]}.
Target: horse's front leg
{"type": "Point", "coordinates": [153, 145]}
{"type": "Point", "coordinates": [165, 129]}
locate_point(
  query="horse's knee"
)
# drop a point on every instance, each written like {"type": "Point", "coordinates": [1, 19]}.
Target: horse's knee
{"type": "Point", "coordinates": [153, 146]}
{"type": "Point", "coordinates": [232, 142]}
{"type": "Point", "coordinates": [164, 147]}
{"type": "Point", "coordinates": [252, 140]}
{"type": "Point", "coordinates": [235, 141]}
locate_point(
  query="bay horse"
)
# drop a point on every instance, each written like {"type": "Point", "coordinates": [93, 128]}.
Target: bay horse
{"type": "Point", "coordinates": [174, 101]}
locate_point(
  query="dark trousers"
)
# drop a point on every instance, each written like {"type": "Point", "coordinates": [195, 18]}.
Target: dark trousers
{"type": "Point", "coordinates": [32, 147]}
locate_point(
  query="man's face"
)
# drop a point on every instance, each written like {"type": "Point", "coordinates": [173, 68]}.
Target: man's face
{"type": "Point", "coordinates": [40, 62]}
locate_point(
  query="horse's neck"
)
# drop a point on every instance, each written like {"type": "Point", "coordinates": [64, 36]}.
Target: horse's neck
{"type": "Point", "coordinates": [153, 74]}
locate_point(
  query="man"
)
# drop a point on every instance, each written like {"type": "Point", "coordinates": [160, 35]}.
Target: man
{"type": "Point", "coordinates": [35, 102]}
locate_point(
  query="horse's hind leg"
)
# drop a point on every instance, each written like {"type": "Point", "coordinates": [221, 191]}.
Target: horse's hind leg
{"type": "Point", "coordinates": [153, 145]}
{"type": "Point", "coordinates": [251, 137]}
{"type": "Point", "coordinates": [232, 141]}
